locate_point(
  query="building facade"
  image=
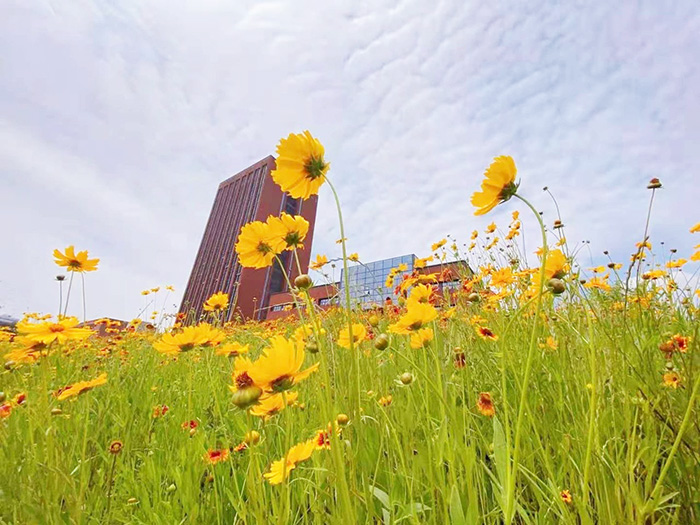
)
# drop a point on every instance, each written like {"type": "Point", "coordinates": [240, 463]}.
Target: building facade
{"type": "Point", "coordinates": [367, 285]}
{"type": "Point", "coordinates": [247, 196]}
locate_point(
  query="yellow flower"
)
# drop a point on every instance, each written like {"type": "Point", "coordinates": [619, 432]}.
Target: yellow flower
{"type": "Point", "coordinates": [216, 456]}
{"type": "Point", "coordinates": [80, 387]}
{"type": "Point", "coordinates": [280, 469]}
{"type": "Point", "coordinates": [301, 168]}
{"type": "Point", "coordinates": [233, 349]}
{"type": "Point", "coordinates": [566, 497]}
{"type": "Point", "coordinates": [676, 264]}
{"type": "Point", "coordinates": [498, 185]}
{"type": "Point", "coordinates": [600, 283]}
{"type": "Point", "coordinates": [486, 333]}
{"type": "Point", "coordinates": [485, 405]}
{"type": "Point", "coordinates": [438, 245]}
{"type": "Point", "coordinates": [320, 262]}
{"type": "Point", "coordinates": [271, 404]}
{"type": "Point", "coordinates": [75, 262]}
{"type": "Point", "coordinates": [184, 341]}
{"type": "Point", "coordinates": [359, 334]}
{"type": "Point", "coordinates": [422, 263]}
{"type": "Point", "coordinates": [353, 257]}
{"type": "Point", "coordinates": [672, 379]}
{"type": "Point", "coordinates": [653, 274]}
{"type": "Point", "coordinates": [291, 229]}
{"type": "Point", "coordinates": [556, 265]}
{"type": "Point", "coordinates": [216, 303]}
{"type": "Point", "coordinates": [257, 245]}
{"type": "Point", "coordinates": [279, 368]}
{"type": "Point", "coordinates": [63, 330]}
{"type": "Point", "coordinates": [385, 401]}
{"type": "Point", "coordinates": [491, 228]}
{"type": "Point", "coordinates": [417, 315]}
{"type": "Point", "coordinates": [421, 338]}
{"type": "Point", "coordinates": [695, 229]}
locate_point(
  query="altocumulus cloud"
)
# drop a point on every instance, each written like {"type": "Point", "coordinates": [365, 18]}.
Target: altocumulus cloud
{"type": "Point", "coordinates": [118, 121]}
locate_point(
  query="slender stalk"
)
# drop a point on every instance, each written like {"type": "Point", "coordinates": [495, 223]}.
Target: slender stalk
{"type": "Point", "coordinates": [109, 487]}
{"type": "Point", "coordinates": [82, 286]}
{"type": "Point", "coordinates": [70, 285]}
{"type": "Point", "coordinates": [510, 493]}
{"type": "Point", "coordinates": [348, 306]}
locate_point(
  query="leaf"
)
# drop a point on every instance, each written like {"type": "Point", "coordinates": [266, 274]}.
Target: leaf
{"type": "Point", "coordinates": [456, 511]}
{"type": "Point", "coordinates": [500, 454]}
{"type": "Point", "coordinates": [382, 496]}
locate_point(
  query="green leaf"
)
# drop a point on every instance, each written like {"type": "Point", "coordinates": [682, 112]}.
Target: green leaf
{"type": "Point", "coordinates": [500, 454]}
{"type": "Point", "coordinates": [456, 511]}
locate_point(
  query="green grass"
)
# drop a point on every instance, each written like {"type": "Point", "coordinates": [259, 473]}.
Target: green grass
{"type": "Point", "coordinates": [429, 457]}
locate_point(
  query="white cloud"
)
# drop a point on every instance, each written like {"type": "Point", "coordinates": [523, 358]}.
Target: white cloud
{"type": "Point", "coordinates": [118, 122]}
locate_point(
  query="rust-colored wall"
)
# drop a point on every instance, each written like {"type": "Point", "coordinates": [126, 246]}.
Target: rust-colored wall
{"type": "Point", "coordinates": [324, 291]}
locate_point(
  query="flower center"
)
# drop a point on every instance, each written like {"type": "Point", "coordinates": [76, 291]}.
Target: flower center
{"type": "Point", "coordinates": [243, 380]}
{"type": "Point", "coordinates": [314, 167]}
{"type": "Point", "coordinates": [55, 328]}
{"type": "Point", "coordinates": [185, 347]}
{"type": "Point", "coordinates": [264, 248]}
{"type": "Point", "coordinates": [292, 238]}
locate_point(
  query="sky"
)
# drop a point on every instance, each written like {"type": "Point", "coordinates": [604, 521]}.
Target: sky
{"type": "Point", "coordinates": [118, 119]}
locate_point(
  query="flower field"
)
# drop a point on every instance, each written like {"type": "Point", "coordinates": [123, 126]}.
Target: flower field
{"type": "Point", "coordinates": [551, 393]}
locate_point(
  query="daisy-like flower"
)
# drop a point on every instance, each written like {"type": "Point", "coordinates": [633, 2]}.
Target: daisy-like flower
{"type": "Point", "coordinates": [672, 379]}
{"type": "Point", "coordinates": [258, 245]}
{"type": "Point", "coordinates": [421, 338]}
{"type": "Point", "coordinates": [491, 228]}
{"type": "Point", "coordinates": [279, 368]}
{"type": "Point", "coordinates": [75, 262]}
{"type": "Point", "coordinates": [79, 387]}
{"type": "Point", "coordinates": [436, 246]}
{"type": "Point", "coordinates": [65, 329]}
{"type": "Point", "coordinates": [354, 257]}
{"type": "Point", "coordinates": [320, 262]}
{"type": "Point", "coordinates": [486, 333]}
{"type": "Point", "coordinates": [233, 349]}
{"type": "Point", "coordinates": [359, 334]}
{"type": "Point", "coordinates": [498, 185]}
{"type": "Point", "coordinates": [676, 264]}
{"type": "Point", "coordinates": [214, 456]}
{"type": "Point", "coordinates": [601, 283]}
{"type": "Point", "coordinates": [272, 404]}
{"type": "Point", "coordinates": [292, 229]}
{"type": "Point", "coordinates": [5, 410]}
{"type": "Point", "coordinates": [695, 229]}
{"type": "Point", "coordinates": [184, 341]}
{"type": "Point", "coordinates": [484, 405]}
{"type": "Point", "coordinates": [280, 469]}
{"type": "Point", "coordinates": [301, 168]}
{"type": "Point", "coordinates": [421, 293]}
{"type": "Point", "coordinates": [417, 316]}
{"type": "Point", "coordinates": [216, 303]}
{"type": "Point", "coordinates": [556, 265]}
{"type": "Point", "coordinates": [210, 336]}
{"type": "Point", "coordinates": [566, 497]}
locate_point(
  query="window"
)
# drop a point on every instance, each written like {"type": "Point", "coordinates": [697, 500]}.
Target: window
{"type": "Point", "coordinates": [324, 301]}
{"type": "Point", "coordinates": [278, 308]}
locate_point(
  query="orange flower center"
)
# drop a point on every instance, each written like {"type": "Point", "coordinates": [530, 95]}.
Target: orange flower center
{"type": "Point", "coordinates": [243, 380]}
{"type": "Point", "coordinates": [55, 328]}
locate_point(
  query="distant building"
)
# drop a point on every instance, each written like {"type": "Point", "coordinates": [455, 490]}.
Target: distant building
{"type": "Point", "coordinates": [6, 320]}
{"type": "Point", "coordinates": [247, 196]}
{"type": "Point", "coordinates": [367, 285]}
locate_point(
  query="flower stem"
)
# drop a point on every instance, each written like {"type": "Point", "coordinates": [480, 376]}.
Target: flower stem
{"type": "Point", "coordinates": [70, 285]}
{"type": "Point", "coordinates": [510, 493]}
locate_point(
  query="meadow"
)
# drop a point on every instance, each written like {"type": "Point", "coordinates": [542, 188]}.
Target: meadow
{"type": "Point", "coordinates": [549, 394]}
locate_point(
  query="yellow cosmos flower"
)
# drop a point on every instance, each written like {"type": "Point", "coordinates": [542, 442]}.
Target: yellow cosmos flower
{"type": "Point", "coordinates": [421, 338]}
{"type": "Point", "coordinates": [695, 229]}
{"type": "Point", "coordinates": [438, 245]}
{"type": "Point", "coordinates": [417, 315]}
{"type": "Point", "coordinates": [233, 349]}
{"type": "Point", "coordinates": [601, 283]}
{"type": "Point", "coordinates": [80, 387]}
{"type": "Point", "coordinates": [184, 341]}
{"type": "Point", "coordinates": [279, 368]}
{"type": "Point", "coordinates": [420, 293]}
{"type": "Point", "coordinates": [63, 330]}
{"type": "Point", "coordinates": [75, 262]}
{"type": "Point", "coordinates": [291, 229]}
{"type": "Point", "coordinates": [301, 168]}
{"type": "Point", "coordinates": [354, 257]}
{"type": "Point", "coordinates": [320, 262]}
{"type": "Point", "coordinates": [359, 334]}
{"type": "Point", "coordinates": [556, 265]}
{"type": "Point", "coordinates": [257, 245]}
{"type": "Point", "coordinates": [676, 264]}
{"type": "Point", "coordinates": [272, 404]}
{"type": "Point", "coordinates": [216, 303]}
{"type": "Point", "coordinates": [280, 469]}
{"type": "Point", "coordinates": [498, 185]}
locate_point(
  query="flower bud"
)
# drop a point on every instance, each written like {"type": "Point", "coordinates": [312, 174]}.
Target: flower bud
{"type": "Point", "coordinates": [342, 419]}
{"type": "Point", "coordinates": [115, 447]}
{"type": "Point", "coordinates": [171, 488]}
{"type": "Point", "coordinates": [9, 365]}
{"type": "Point", "coordinates": [56, 411]}
{"type": "Point", "coordinates": [246, 397]}
{"type": "Point", "coordinates": [381, 342]}
{"type": "Point", "coordinates": [252, 437]}
{"type": "Point", "coordinates": [132, 501]}
{"type": "Point", "coordinates": [407, 378]}
{"type": "Point", "coordinates": [556, 286]}
{"type": "Point", "coordinates": [654, 184]}
{"type": "Point", "coordinates": [2, 397]}
{"type": "Point", "coordinates": [311, 347]}
{"type": "Point", "coordinates": [193, 431]}
{"type": "Point", "coordinates": [473, 297]}
{"type": "Point", "coordinates": [373, 320]}
{"type": "Point", "coordinates": [303, 282]}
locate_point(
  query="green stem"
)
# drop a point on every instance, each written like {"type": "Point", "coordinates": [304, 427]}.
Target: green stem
{"type": "Point", "coordinates": [510, 494]}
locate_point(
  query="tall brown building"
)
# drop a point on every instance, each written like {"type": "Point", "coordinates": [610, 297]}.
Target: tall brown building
{"type": "Point", "coordinates": [247, 196]}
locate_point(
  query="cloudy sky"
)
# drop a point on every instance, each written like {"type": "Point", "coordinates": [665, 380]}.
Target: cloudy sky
{"type": "Point", "coordinates": [119, 118]}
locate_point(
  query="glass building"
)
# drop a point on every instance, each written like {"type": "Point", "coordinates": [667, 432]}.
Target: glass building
{"type": "Point", "coordinates": [367, 281]}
